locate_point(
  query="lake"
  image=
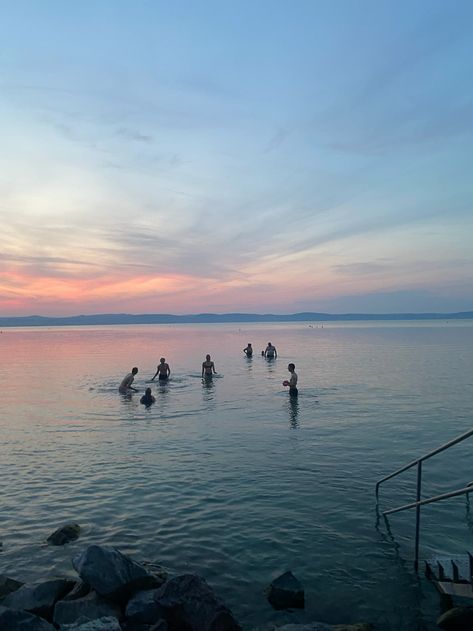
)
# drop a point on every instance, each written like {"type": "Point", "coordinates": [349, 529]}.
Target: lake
{"type": "Point", "coordinates": [232, 479]}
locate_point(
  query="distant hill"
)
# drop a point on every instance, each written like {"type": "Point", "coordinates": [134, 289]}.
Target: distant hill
{"type": "Point", "coordinates": [163, 318]}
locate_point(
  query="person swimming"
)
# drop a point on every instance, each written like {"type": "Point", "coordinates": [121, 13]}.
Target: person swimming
{"type": "Point", "coordinates": [162, 370]}
{"type": "Point", "coordinates": [208, 368]}
{"type": "Point", "coordinates": [147, 399]}
{"type": "Point", "coordinates": [125, 385]}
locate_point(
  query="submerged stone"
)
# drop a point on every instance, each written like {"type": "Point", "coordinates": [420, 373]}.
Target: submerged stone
{"type": "Point", "coordinates": [286, 592]}
{"type": "Point", "coordinates": [64, 534]}
{"type": "Point", "coordinates": [8, 585]}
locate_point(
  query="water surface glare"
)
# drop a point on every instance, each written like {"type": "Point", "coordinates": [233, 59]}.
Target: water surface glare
{"type": "Point", "coordinates": [231, 478]}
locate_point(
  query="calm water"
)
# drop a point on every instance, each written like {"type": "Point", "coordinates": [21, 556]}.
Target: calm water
{"type": "Point", "coordinates": [231, 479]}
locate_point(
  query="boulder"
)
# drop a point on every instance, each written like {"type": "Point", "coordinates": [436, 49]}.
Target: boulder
{"type": "Point", "coordinates": [142, 607]}
{"type": "Point", "coordinates": [286, 592]}
{"type": "Point", "coordinates": [64, 534]}
{"type": "Point", "coordinates": [14, 619]}
{"type": "Point", "coordinates": [99, 624]}
{"type": "Point", "coordinates": [161, 625]}
{"type": "Point", "coordinates": [156, 570]}
{"type": "Point", "coordinates": [8, 585]}
{"type": "Point", "coordinates": [79, 590]}
{"type": "Point", "coordinates": [111, 573]}
{"type": "Point", "coordinates": [456, 619]}
{"type": "Point", "coordinates": [311, 626]}
{"type": "Point", "coordinates": [39, 598]}
{"type": "Point", "coordinates": [315, 626]}
{"type": "Point", "coordinates": [89, 607]}
{"type": "Point", "coordinates": [189, 604]}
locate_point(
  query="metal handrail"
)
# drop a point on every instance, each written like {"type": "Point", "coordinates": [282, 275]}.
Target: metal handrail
{"type": "Point", "coordinates": [418, 503]}
{"type": "Point", "coordinates": [431, 500]}
{"type": "Point", "coordinates": [428, 455]}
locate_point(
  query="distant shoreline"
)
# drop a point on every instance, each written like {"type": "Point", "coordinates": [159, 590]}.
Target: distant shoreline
{"type": "Point", "coordinates": [204, 318]}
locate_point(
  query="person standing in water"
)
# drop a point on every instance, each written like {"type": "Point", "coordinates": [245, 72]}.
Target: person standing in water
{"type": "Point", "coordinates": [125, 385]}
{"type": "Point", "coordinates": [162, 370]}
{"type": "Point", "coordinates": [248, 350]}
{"type": "Point", "coordinates": [292, 383]}
{"type": "Point", "coordinates": [208, 368]}
{"type": "Point", "coordinates": [270, 351]}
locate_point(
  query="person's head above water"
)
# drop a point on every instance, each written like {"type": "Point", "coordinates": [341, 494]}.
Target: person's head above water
{"type": "Point", "coordinates": [134, 370]}
{"type": "Point", "coordinates": [291, 367]}
{"type": "Point", "coordinates": [249, 343]}
{"type": "Point", "coordinates": [162, 360]}
{"type": "Point", "coordinates": [148, 392]}
{"type": "Point", "coordinates": [269, 344]}
{"type": "Point", "coordinates": [207, 357]}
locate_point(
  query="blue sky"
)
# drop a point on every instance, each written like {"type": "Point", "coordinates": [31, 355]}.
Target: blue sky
{"type": "Point", "coordinates": [217, 156]}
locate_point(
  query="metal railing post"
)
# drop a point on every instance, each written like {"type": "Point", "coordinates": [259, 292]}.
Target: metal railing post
{"type": "Point", "coordinates": [418, 497]}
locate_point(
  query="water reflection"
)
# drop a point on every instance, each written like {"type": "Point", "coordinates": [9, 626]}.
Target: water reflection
{"type": "Point", "coordinates": [293, 408]}
{"type": "Point", "coordinates": [208, 388]}
{"type": "Point", "coordinates": [270, 363]}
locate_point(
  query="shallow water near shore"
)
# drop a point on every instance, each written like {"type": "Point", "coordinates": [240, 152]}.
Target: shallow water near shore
{"type": "Point", "coordinates": [232, 479]}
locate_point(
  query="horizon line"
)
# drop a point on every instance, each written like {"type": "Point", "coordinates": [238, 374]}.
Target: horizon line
{"type": "Point", "coordinates": [242, 317]}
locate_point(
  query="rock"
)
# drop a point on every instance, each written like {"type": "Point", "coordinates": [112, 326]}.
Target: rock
{"type": "Point", "coordinates": [456, 619]}
{"type": "Point", "coordinates": [156, 570]}
{"type": "Point", "coordinates": [286, 592]}
{"type": "Point", "coordinates": [39, 598]}
{"type": "Point", "coordinates": [90, 607]}
{"type": "Point", "coordinates": [64, 534]}
{"type": "Point", "coordinates": [142, 607]}
{"type": "Point", "coordinates": [359, 626]}
{"type": "Point", "coordinates": [190, 604]}
{"type": "Point", "coordinates": [14, 619]}
{"type": "Point", "coordinates": [99, 624]}
{"type": "Point", "coordinates": [311, 626]}
{"type": "Point", "coordinates": [111, 573]}
{"type": "Point", "coordinates": [161, 625]}
{"type": "Point", "coordinates": [79, 590]}
{"type": "Point", "coordinates": [316, 626]}
{"type": "Point", "coordinates": [8, 585]}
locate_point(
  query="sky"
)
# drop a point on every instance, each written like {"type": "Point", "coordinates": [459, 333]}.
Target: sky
{"type": "Point", "coordinates": [272, 156]}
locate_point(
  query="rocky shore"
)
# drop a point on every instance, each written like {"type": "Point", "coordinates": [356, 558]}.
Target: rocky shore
{"type": "Point", "coordinates": [113, 592]}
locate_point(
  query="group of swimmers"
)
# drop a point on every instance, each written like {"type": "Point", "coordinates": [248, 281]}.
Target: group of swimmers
{"type": "Point", "coordinates": [208, 370]}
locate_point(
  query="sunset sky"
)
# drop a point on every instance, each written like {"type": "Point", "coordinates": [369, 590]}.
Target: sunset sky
{"type": "Point", "coordinates": [270, 156]}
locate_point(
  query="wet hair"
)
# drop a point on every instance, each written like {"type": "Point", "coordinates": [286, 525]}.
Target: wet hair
{"type": "Point", "coordinates": [162, 360]}
{"type": "Point", "coordinates": [134, 370]}
{"type": "Point", "coordinates": [292, 366]}
{"type": "Point", "coordinates": [148, 392]}
{"type": "Point", "coordinates": [207, 357]}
